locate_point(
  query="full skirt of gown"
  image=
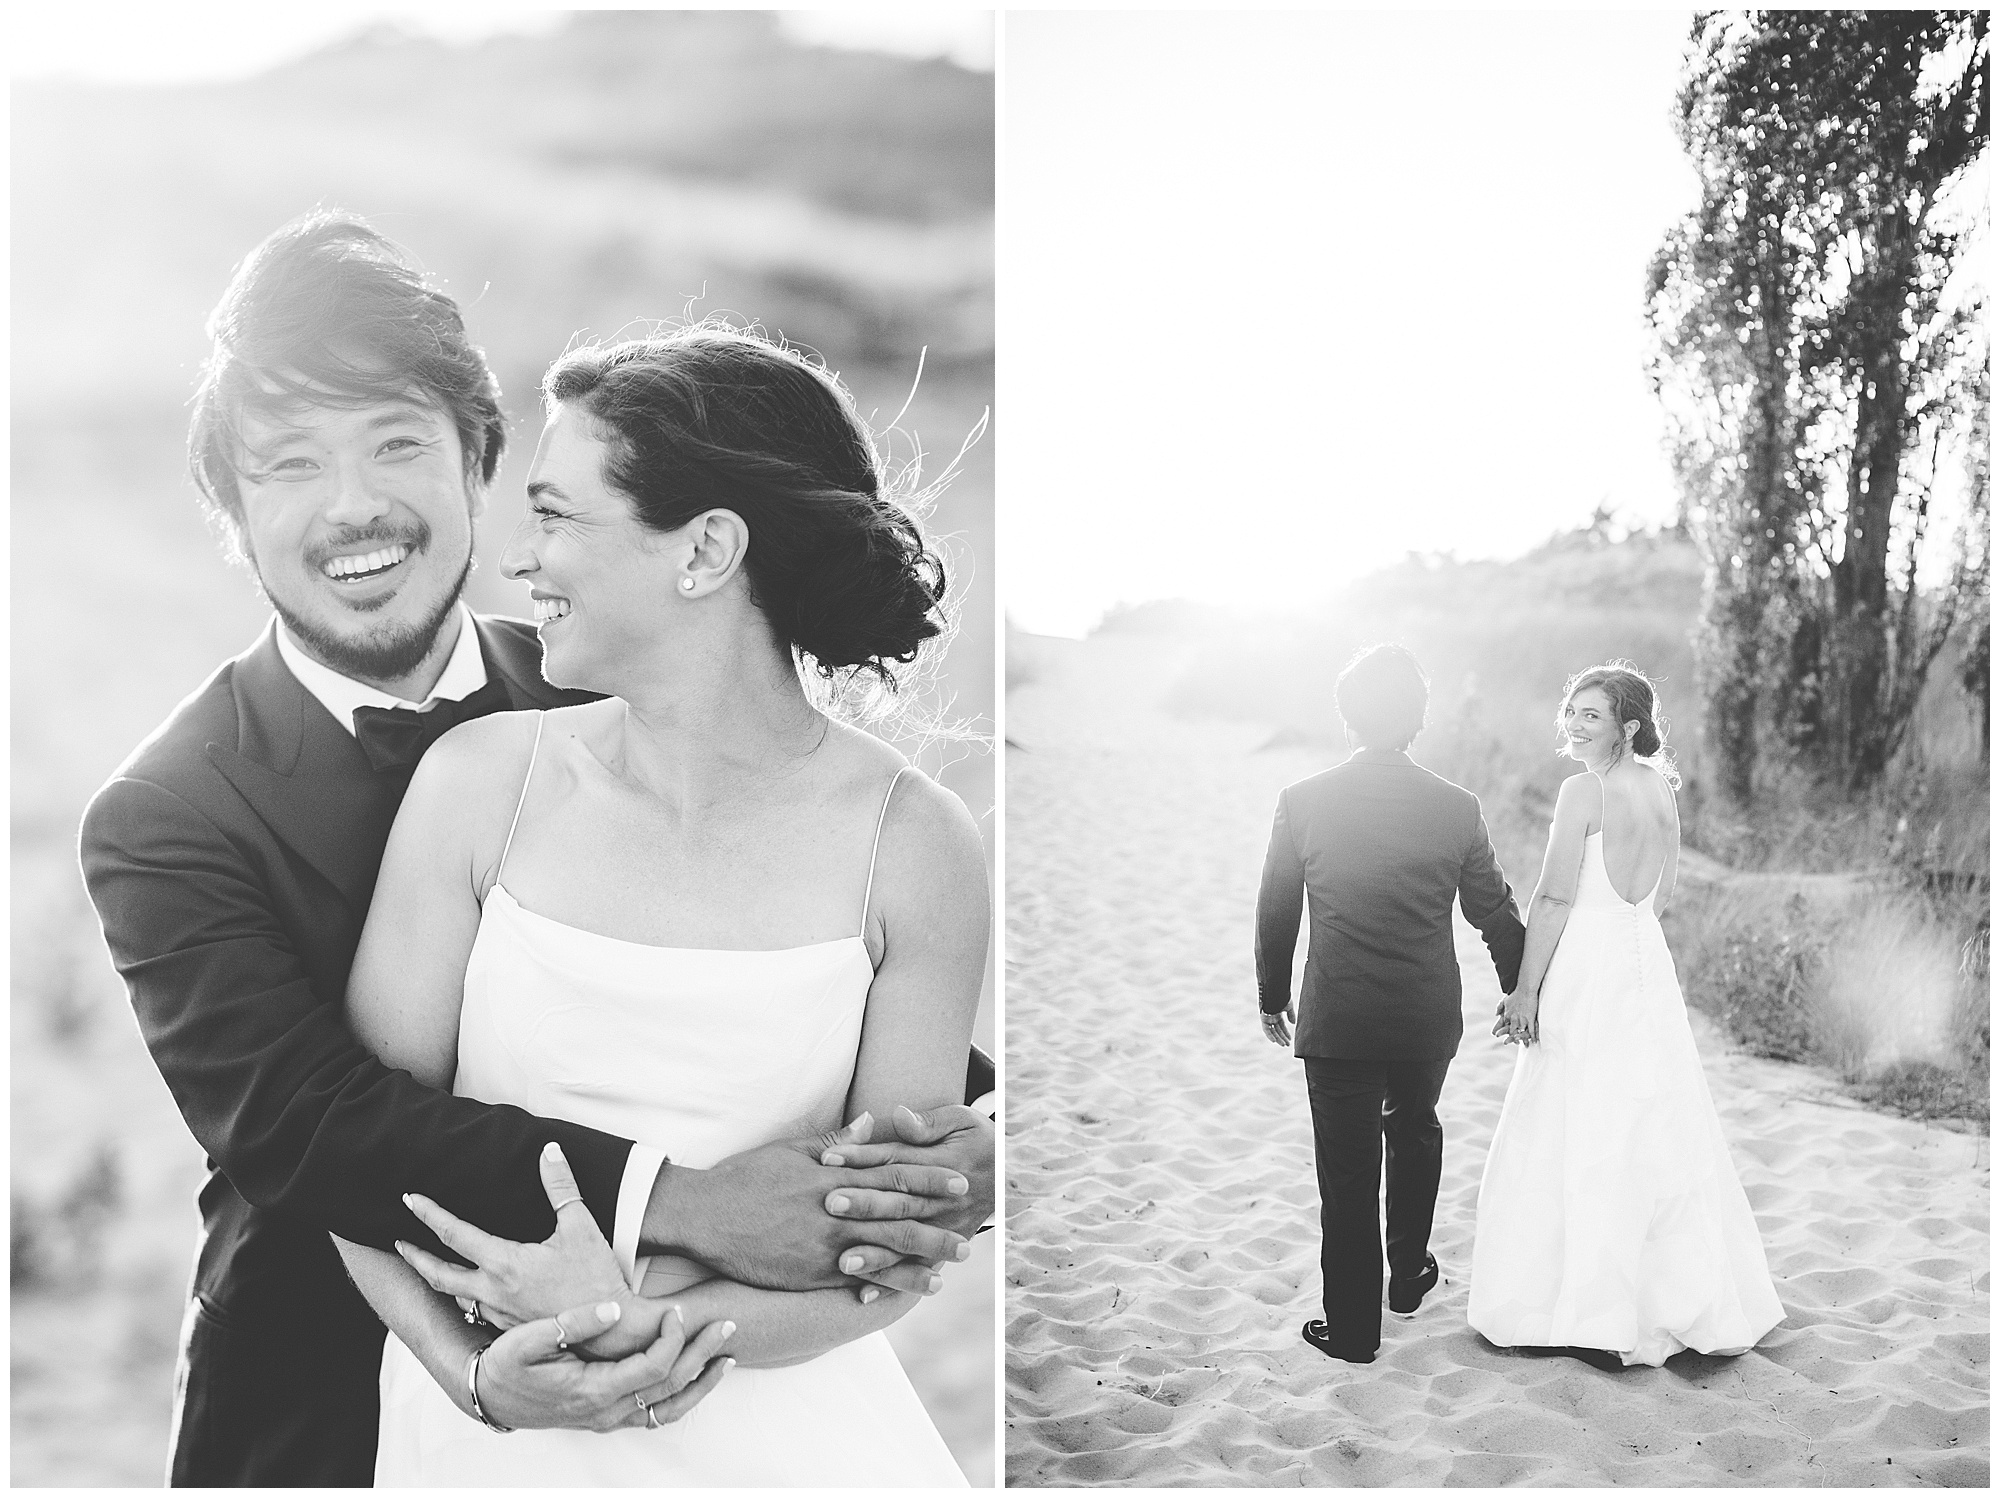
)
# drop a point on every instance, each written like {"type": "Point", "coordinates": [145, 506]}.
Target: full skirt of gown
{"type": "Point", "coordinates": [1610, 1215]}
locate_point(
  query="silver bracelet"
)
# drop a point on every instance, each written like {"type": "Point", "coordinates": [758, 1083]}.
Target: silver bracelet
{"type": "Point", "coordinates": [472, 1388]}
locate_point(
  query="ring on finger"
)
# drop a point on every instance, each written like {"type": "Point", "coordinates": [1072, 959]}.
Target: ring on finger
{"type": "Point", "coordinates": [652, 1420]}
{"type": "Point", "coordinates": [562, 1336]}
{"type": "Point", "coordinates": [567, 1201]}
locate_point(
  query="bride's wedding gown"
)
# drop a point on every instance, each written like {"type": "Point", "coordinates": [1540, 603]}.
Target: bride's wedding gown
{"type": "Point", "coordinates": [705, 1053]}
{"type": "Point", "coordinates": [1610, 1215]}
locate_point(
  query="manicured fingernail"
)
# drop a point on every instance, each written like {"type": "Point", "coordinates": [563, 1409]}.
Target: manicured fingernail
{"type": "Point", "coordinates": [868, 1295]}
{"type": "Point", "coordinates": [836, 1203]}
{"type": "Point", "coordinates": [610, 1311]}
{"type": "Point", "coordinates": [409, 1198]}
{"type": "Point", "coordinates": [552, 1151]}
{"type": "Point", "coordinates": [728, 1329]}
{"type": "Point", "coordinates": [727, 1364]}
{"type": "Point", "coordinates": [962, 1252]}
{"type": "Point", "coordinates": [936, 1284]}
{"type": "Point", "coordinates": [958, 1185]}
{"type": "Point", "coordinates": [402, 1248]}
{"type": "Point", "coordinates": [865, 1121]}
{"type": "Point", "coordinates": [851, 1264]}
{"type": "Point", "coordinates": [676, 1309]}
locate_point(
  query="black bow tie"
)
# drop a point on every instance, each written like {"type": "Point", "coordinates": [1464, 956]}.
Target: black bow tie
{"type": "Point", "coordinates": [395, 738]}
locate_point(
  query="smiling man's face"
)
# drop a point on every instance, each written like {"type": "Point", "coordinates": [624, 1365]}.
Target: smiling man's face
{"type": "Point", "coordinates": [358, 521]}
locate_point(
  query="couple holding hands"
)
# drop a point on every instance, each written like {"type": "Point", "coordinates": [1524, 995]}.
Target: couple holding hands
{"type": "Point", "coordinates": [1611, 1223]}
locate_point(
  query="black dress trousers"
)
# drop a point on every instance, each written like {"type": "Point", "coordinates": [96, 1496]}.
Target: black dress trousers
{"type": "Point", "coordinates": [1362, 1110]}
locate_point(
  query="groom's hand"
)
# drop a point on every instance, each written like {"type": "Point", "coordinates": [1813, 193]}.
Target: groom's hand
{"type": "Point", "coordinates": [955, 1138]}
{"type": "Point", "coordinates": [1519, 1020]}
{"type": "Point", "coordinates": [761, 1217]}
{"type": "Point", "coordinates": [1278, 1027]}
{"type": "Point", "coordinates": [961, 1138]}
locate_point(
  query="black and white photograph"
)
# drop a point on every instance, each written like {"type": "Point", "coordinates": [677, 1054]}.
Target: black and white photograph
{"type": "Point", "coordinates": [923, 747]}
{"type": "Point", "coordinates": [1494, 538]}
{"type": "Point", "coordinates": [504, 828]}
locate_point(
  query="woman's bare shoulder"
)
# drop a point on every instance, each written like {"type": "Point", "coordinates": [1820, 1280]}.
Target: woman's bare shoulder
{"type": "Point", "coordinates": [481, 751]}
{"type": "Point", "coordinates": [470, 779]}
{"type": "Point", "coordinates": [1580, 796]}
{"type": "Point", "coordinates": [930, 851]}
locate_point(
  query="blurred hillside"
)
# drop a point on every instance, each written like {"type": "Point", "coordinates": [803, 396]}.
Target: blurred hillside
{"type": "Point", "coordinates": [1497, 639]}
{"type": "Point", "coordinates": [630, 167]}
{"type": "Point", "coordinates": [634, 166]}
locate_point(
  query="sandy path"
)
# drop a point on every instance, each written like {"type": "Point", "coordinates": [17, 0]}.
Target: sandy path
{"type": "Point", "coordinates": [1163, 1216]}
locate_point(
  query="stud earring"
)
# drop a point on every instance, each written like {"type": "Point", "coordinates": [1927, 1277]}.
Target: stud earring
{"type": "Point", "coordinates": [687, 585]}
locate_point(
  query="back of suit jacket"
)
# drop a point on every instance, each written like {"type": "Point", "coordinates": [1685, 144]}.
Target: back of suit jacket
{"type": "Point", "coordinates": [1377, 849]}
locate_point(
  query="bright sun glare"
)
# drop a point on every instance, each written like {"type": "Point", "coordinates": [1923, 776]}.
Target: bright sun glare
{"type": "Point", "coordinates": [1315, 290]}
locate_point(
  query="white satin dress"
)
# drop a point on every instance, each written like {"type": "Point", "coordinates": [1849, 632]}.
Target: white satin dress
{"type": "Point", "coordinates": [1610, 1215]}
{"type": "Point", "coordinates": [705, 1053]}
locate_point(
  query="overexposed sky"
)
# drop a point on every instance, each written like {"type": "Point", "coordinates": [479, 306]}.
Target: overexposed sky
{"type": "Point", "coordinates": [1287, 295]}
{"type": "Point", "coordinates": [202, 42]}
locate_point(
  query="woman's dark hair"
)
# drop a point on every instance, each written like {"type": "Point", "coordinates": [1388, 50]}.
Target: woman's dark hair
{"type": "Point", "coordinates": [1382, 696]}
{"type": "Point", "coordinates": [1633, 700]}
{"type": "Point", "coordinates": [714, 417]}
{"type": "Point", "coordinates": [326, 312]}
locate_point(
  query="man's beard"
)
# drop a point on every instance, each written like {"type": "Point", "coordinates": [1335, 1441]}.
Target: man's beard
{"type": "Point", "coordinates": [382, 657]}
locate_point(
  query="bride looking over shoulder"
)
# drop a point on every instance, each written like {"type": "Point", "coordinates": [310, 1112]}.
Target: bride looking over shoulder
{"type": "Point", "coordinates": [701, 910]}
{"type": "Point", "coordinates": [1611, 1223]}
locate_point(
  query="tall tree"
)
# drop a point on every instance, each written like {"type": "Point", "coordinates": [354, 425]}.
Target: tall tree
{"type": "Point", "coordinates": [1819, 365]}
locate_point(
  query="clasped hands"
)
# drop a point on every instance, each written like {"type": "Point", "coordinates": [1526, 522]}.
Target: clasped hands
{"type": "Point", "coordinates": [777, 1217]}
{"type": "Point", "coordinates": [1517, 1020]}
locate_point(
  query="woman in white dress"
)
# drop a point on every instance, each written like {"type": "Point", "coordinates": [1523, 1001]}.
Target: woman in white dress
{"type": "Point", "coordinates": [1610, 1218]}
{"type": "Point", "coordinates": [701, 911]}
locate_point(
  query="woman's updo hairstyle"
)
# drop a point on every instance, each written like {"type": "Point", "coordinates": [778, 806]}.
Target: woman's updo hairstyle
{"type": "Point", "coordinates": [714, 417]}
{"type": "Point", "coordinates": [1633, 700]}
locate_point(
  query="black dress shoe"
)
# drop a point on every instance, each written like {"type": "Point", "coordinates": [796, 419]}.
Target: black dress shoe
{"type": "Point", "coordinates": [1315, 1333]}
{"type": "Point", "coordinates": [1406, 1295]}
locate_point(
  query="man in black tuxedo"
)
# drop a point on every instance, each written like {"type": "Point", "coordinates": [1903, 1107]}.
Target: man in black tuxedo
{"type": "Point", "coordinates": [345, 433]}
{"type": "Point", "coordinates": [1378, 848]}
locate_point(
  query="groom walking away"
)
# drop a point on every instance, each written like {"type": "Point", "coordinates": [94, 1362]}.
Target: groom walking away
{"type": "Point", "coordinates": [345, 434]}
{"type": "Point", "coordinates": [1378, 848]}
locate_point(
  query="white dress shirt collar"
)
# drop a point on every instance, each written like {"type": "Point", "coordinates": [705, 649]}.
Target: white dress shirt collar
{"type": "Point", "coordinates": [464, 674]}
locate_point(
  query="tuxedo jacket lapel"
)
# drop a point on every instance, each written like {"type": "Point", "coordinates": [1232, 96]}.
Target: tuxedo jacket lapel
{"type": "Point", "coordinates": [305, 776]}
{"type": "Point", "coordinates": [309, 781]}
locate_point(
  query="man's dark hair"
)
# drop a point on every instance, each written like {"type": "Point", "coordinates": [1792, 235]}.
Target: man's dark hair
{"type": "Point", "coordinates": [327, 312]}
{"type": "Point", "coordinates": [1382, 696]}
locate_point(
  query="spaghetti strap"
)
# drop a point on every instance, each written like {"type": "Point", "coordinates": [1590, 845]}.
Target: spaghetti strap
{"type": "Point", "coordinates": [882, 817]}
{"type": "Point", "coordinates": [541, 717]}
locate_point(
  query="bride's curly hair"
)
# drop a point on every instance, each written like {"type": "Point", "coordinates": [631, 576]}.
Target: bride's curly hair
{"type": "Point", "coordinates": [1634, 699]}
{"type": "Point", "coordinates": [717, 416]}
